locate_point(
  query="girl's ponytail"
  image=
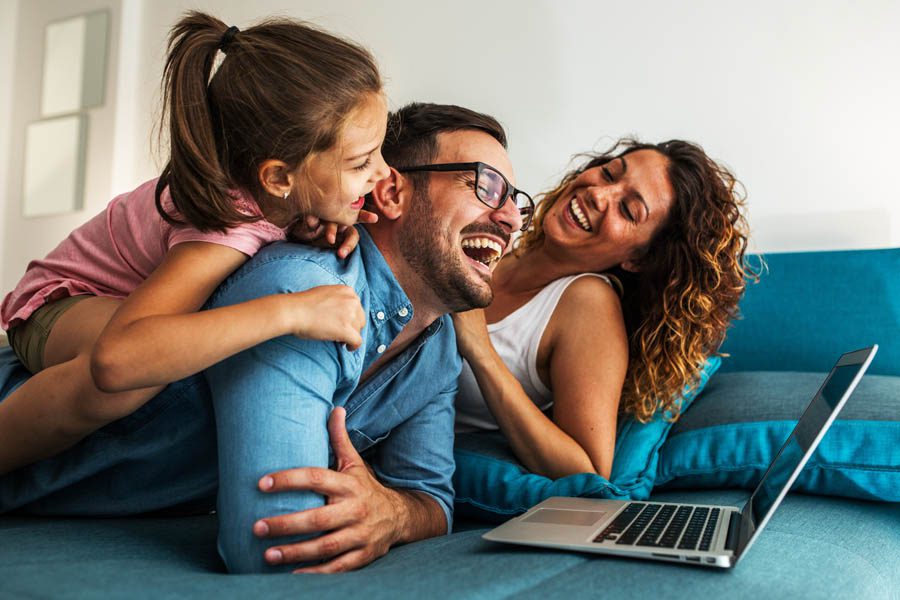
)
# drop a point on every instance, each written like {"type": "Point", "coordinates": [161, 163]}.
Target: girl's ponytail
{"type": "Point", "coordinates": [197, 182]}
{"type": "Point", "coordinates": [283, 91]}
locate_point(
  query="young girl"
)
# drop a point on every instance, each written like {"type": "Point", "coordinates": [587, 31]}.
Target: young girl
{"type": "Point", "coordinates": [286, 132]}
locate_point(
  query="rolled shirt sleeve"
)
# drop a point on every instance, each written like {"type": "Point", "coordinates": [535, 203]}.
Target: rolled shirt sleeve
{"type": "Point", "coordinates": [418, 454]}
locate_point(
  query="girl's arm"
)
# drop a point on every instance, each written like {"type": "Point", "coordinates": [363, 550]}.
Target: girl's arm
{"type": "Point", "coordinates": [158, 336]}
{"type": "Point", "coordinates": [588, 357]}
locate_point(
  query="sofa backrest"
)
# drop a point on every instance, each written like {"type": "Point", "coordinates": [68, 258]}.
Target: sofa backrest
{"type": "Point", "coordinates": [810, 307]}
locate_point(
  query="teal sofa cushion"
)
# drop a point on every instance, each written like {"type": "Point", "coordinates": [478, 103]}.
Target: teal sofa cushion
{"type": "Point", "coordinates": [734, 429]}
{"type": "Point", "coordinates": [491, 484]}
{"type": "Point", "coordinates": [814, 547]}
{"type": "Point", "coordinates": [809, 307]}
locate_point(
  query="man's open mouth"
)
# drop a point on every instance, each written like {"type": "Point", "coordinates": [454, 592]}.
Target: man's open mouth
{"type": "Point", "coordinates": [485, 250]}
{"type": "Point", "coordinates": [578, 215]}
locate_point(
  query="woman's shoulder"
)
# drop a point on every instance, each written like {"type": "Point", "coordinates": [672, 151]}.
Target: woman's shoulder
{"type": "Point", "coordinates": [589, 303]}
{"type": "Point", "coordinates": [590, 289]}
{"type": "Point", "coordinates": [549, 297]}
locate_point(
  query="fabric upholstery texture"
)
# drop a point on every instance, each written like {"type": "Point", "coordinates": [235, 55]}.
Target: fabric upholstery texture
{"type": "Point", "coordinates": [735, 428]}
{"type": "Point", "coordinates": [814, 547]}
{"type": "Point", "coordinates": [810, 307]}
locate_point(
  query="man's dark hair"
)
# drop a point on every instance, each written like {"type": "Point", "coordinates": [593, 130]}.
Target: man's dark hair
{"type": "Point", "coordinates": [412, 131]}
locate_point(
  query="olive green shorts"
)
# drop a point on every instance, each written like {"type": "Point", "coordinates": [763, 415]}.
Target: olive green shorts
{"type": "Point", "coordinates": [29, 338]}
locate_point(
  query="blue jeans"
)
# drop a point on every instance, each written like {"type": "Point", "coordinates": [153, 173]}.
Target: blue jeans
{"type": "Point", "coordinates": [161, 457]}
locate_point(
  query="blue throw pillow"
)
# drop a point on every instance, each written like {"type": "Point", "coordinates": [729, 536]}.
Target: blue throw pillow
{"type": "Point", "coordinates": [733, 431]}
{"type": "Point", "coordinates": [491, 484]}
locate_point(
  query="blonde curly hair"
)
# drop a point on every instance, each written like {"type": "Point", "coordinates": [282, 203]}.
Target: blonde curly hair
{"type": "Point", "coordinates": [691, 276]}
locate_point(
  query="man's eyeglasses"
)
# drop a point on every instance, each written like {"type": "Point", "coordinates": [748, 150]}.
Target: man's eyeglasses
{"type": "Point", "coordinates": [491, 187]}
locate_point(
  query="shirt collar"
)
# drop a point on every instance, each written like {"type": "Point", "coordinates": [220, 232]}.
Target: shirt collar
{"type": "Point", "coordinates": [387, 294]}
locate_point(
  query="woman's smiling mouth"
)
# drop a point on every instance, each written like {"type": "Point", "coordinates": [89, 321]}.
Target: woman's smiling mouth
{"type": "Point", "coordinates": [577, 215]}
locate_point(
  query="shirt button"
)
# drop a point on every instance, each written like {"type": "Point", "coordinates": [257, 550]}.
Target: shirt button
{"type": "Point", "coordinates": [380, 315]}
{"type": "Point", "coordinates": [403, 312]}
{"type": "Point", "coordinates": [381, 348]}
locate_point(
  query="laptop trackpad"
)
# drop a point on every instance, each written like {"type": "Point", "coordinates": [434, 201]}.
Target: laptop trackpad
{"type": "Point", "coordinates": [556, 516]}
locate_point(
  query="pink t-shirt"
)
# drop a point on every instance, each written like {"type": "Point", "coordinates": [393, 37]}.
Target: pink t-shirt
{"type": "Point", "coordinates": [116, 251]}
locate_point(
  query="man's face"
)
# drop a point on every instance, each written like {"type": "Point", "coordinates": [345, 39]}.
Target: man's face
{"type": "Point", "coordinates": [449, 238]}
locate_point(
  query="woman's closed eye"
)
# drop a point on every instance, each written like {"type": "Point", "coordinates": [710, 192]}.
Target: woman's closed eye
{"type": "Point", "coordinates": [365, 165]}
{"type": "Point", "coordinates": [626, 212]}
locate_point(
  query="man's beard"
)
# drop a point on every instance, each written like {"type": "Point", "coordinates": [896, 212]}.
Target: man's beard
{"type": "Point", "coordinates": [431, 256]}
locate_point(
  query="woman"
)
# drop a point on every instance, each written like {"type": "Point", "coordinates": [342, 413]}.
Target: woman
{"type": "Point", "coordinates": [625, 282]}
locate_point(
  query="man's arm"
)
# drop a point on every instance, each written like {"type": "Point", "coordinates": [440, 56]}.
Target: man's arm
{"type": "Point", "coordinates": [363, 517]}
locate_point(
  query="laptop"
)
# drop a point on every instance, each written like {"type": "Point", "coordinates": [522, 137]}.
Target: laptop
{"type": "Point", "coordinates": [693, 534]}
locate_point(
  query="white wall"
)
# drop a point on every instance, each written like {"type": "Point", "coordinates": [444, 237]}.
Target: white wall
{"type": "Point", "coordinates": [799, 98]}
{"type": "Point", "coordinates": [24, 239]}
{"type": "Point", "coordinates": [8, 13]}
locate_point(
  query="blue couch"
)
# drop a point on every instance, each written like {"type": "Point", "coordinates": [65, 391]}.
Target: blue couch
{"type": "Point", "coordinates": [806, 310]}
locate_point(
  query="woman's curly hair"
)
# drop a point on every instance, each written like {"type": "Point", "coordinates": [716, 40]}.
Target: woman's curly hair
{"type": "Point", "coordinates": [692, 275]}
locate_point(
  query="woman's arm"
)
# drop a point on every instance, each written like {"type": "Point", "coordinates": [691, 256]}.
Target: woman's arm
{"type": "Point", "coordinates": [157, 336]}
{"type": "Point", "coordinates": [587, 356]}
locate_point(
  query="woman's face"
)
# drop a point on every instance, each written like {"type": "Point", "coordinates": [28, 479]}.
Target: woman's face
{"type": "Point", "coordinates": [608, 214]}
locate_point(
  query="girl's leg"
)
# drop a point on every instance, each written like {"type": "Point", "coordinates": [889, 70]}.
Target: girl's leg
{"type": "Point", "coordinates": [60, 405]}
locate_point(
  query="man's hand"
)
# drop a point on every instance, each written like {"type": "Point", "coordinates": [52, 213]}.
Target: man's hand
{"type": "Point", "coordinates": [361, 518]}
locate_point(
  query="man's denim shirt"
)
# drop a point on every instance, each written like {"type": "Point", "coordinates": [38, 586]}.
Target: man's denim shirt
{"type": "Point", "coordinates": [272, 401]}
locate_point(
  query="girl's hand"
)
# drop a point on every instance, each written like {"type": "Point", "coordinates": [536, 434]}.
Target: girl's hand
{"type": "Point", "coordinates": [310, 230]}
{"type": "Point", "coordinates": [327, 312]}
{"type": "Point", "coordinates": [366, 216]}
{"type": "Point", "coordinates": [471, 332]}
{"type": "Point", "coordinates": [324, 234]}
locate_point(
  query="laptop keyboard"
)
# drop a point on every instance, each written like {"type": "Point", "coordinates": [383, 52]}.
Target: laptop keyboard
{"type": "Point", "coordinates": [663, 526]}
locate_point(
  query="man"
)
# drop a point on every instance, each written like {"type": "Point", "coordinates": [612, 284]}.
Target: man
{"type": "Point", "coordinates": [443, 220]}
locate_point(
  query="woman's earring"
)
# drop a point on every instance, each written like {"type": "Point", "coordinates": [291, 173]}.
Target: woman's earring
{"type": "Point", "coordinates": [286, 194]}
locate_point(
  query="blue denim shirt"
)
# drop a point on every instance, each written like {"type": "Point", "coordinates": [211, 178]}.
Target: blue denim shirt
{"type": "Point", "coordinates": [272, 401]}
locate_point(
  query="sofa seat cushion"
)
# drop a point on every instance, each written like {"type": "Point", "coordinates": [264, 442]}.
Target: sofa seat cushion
{"type": "Point", "coordinates": [734, 429]}
{"type": "Point", "coordinates": [813, 547]}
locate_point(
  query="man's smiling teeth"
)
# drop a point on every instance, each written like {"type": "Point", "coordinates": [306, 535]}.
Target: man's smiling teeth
{"type": "Point", "coordinates": [484, 250]}
{"type": "Point", "coordinates": [482, 243]}
{"type": "Point", "coordinates": [575, 209]}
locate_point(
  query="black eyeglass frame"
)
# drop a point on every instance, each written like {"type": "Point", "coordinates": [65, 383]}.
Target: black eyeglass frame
{"type": "Point", "coordinates": [479, 167]}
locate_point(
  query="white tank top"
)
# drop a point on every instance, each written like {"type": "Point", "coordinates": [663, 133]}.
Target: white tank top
{"type": "Point", "coordinates": [516, 339]}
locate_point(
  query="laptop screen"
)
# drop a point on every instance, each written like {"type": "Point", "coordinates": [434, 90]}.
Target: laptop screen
{"type": "Point", "coordinates": [803, 437]}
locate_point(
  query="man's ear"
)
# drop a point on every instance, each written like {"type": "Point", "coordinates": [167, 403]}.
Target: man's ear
{"type": "Point", "coordinates": [391, 195]}
{"type": "Point", "coordinates": [275, 177]}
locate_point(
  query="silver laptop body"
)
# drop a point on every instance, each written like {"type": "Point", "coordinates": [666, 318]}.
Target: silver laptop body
{"type": "Point", "coordinates": [712, 536]}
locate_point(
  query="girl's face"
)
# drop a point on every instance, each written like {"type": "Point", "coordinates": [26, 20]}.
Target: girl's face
{"type": "Point", "coordinates": [344, 174]}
